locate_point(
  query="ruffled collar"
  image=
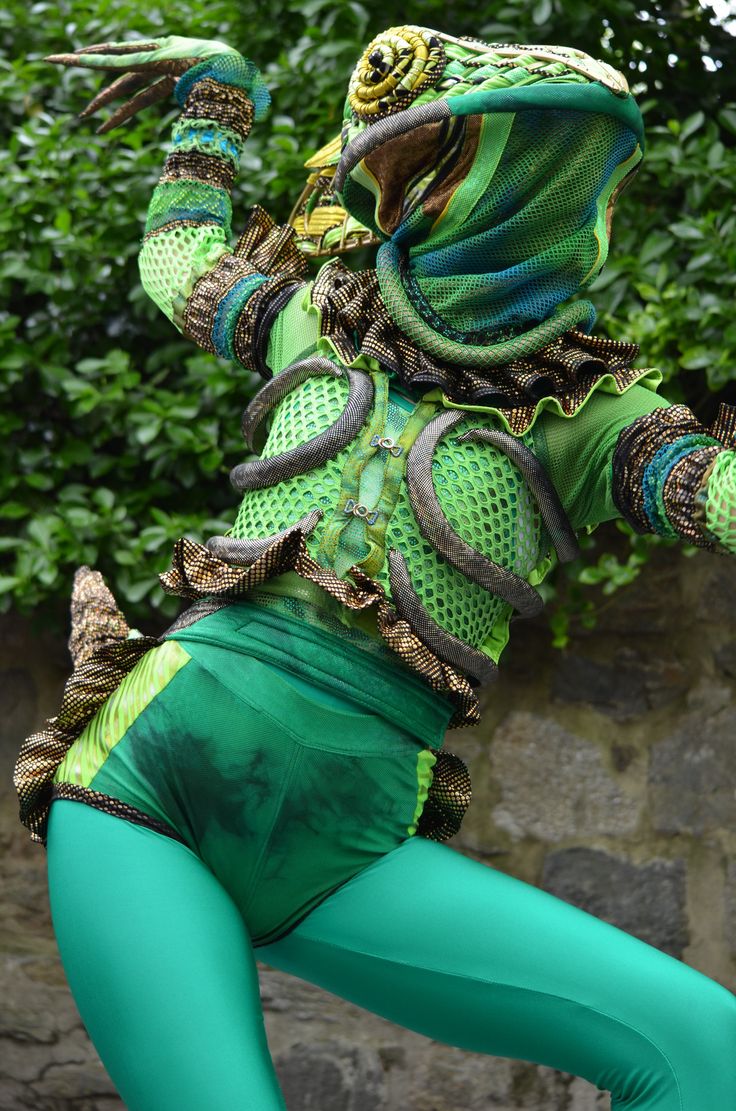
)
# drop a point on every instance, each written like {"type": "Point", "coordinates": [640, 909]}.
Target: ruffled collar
{"type": "Point", "coordinates": [561, 375]}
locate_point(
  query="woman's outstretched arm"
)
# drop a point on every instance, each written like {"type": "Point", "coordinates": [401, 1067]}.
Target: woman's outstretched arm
{"type": "Point", "coordinates": [226, 298]}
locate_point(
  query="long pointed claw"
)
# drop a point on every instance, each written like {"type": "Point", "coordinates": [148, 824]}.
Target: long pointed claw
{"type": "Point", "coordinates": [174, 66]}
{"type": "Point", "coordinates": [95, 61]}
{"type": "Point", "coordinates": [158, 91]}
{"type": "Point", "coordinates": [122, 86]}
{"type": "Point", "coordinates": [62, 59]}
{"type": "Point", "coordinates": [117, 48]}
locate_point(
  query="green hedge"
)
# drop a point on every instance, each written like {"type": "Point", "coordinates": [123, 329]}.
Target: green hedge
{"type": "Point", "coordinates": [117, 435]}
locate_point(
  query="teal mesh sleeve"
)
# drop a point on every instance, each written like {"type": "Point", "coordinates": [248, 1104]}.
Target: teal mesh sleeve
{"type": "Point", "coordinates": [224, 298]}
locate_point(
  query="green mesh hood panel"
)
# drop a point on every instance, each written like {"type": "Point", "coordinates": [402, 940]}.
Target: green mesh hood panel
{"type": "Point", "coordinates": [493, 193]}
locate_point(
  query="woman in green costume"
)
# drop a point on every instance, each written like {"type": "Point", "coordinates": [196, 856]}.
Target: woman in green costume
{"type": "Point", "coordinates": [268, 774]}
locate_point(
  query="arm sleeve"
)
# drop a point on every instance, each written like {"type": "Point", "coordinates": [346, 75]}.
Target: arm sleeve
{"type": "Point", "coordinates": [578, 451]}
{"type": "Point", "coordinates": [226, 299]}
{"type": "Point", "coordinates": [652, 463]}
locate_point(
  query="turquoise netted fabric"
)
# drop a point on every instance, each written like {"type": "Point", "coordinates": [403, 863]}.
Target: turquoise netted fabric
{"type": "Point", "coordinates": [494, 205]}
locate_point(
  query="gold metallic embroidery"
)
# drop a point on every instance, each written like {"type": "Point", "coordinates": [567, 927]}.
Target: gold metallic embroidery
{"type": "Point", "coordinates": [227, 104]}
{"type": "Point", "coordinates": [353, 315]}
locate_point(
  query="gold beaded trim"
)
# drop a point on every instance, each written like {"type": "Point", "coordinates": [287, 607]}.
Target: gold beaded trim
{"type": "Point", "coordinates": [394, 69]}
{"type": "Point", "coordinates": [230, 106]}
{"type": "Point", "coordinates": [193, 166]}
{"type": "Point", "coordinates": [201, 307]}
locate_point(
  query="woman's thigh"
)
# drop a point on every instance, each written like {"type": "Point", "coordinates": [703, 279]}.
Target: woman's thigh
{"type": "Point", "coordinates": [472, 957]}
{"type": "Point", "coordinates": [160, 966]}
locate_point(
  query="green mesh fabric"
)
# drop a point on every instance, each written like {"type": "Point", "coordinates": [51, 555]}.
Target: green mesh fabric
{"type": "Point", "coordinates": [193, 201]}
{"type": "Point", "coordinates": [720, 503]}
{"type": "Point", "coordinates": [303, 414]}
{"type": "Point", "coordinates": [172, 261]}
{"type": "Point", "coordinates": [492, 219]}
{"type": "Point", "coordinates": [481, 492]}
{"type": "Point", "coordinates": [535, 233]}
{"type": "Point", "coordinates": [488, 503]}
{"type": "Point", "coordinates": [227, 69]}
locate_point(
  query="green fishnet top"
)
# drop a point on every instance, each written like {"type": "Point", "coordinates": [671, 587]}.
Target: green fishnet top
{"type": "Point", "coordinates": [616, 453]}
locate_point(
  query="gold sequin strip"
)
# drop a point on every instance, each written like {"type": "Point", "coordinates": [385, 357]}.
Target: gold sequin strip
{"type": "Point", "coordinates": [271, 246]}
{"type": "Point", "coordinates": [201, 307]}
{"type": "Point", "coordinates": [230, 106]}
{"type": "Point", "coordinates": [194, 166]}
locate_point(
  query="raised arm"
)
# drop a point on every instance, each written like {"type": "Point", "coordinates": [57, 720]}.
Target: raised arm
{"type": "Point", "coordinates": [224, 298]}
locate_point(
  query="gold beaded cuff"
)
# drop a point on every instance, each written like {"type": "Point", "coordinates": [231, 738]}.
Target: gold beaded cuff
{"type": "Point", "coordinates": [637, 445]}
{"type": "Point", "coordinates": [192, 166]}
{"type": "Point", "coordinates": [680, 496]}
{"type": "Point", "coordinates": [230, 106]}
{"type": "Point", "coordinates": [201, 308]}
{"type": "Point", "coordinates": [250, 339]}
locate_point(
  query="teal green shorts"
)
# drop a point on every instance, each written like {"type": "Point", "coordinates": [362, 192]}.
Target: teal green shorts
{"type": "Point", "coordinates": [285, 758]}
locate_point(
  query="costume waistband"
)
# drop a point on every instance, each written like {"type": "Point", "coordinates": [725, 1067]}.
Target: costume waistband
{"type": "Point", "coordinates": [329, 661]}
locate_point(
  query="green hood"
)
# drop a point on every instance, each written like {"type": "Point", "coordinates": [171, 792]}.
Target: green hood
{"type": "Point", "coordinates": [489, 173]}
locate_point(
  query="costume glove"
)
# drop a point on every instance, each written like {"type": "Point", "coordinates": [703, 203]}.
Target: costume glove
{"type": "Point", "coordinates": [138, 62]}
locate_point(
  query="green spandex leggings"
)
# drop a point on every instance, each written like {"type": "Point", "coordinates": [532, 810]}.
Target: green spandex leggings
{"type": "Point", "coordinates": [162, 969]}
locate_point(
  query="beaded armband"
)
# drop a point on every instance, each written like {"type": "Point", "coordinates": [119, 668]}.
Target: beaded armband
{"type": "Point", "coordinates": [658, 467]}
{"type": "Point", "coordinates": [208, 137]}
{"type": "Point", "coordinates": [232, 307]}
{"type": "Point", "coordinates": [224, 300]}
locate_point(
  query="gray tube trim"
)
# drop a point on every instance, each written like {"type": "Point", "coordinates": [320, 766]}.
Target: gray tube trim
{"type": "Point", "coordinates": [558, 525]}
{"type": "Point", "coordinates": [276, 389]}
{"type": "Point", "coordinates": [376, 134]}
{"type": "Point", "coordinates": [243, 552]}
{"type": "Point", "coordinates": [262, 473]}
{"type": "Point", "coordinates": [437, 531]}
{"type": "Point", "coordinates": [449, 648]}
{"type": "Point", "coordinates": [203, 607]}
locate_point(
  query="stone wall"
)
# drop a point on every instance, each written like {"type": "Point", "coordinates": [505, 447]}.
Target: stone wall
{"type": "Point", "coordinates": [604, 774]}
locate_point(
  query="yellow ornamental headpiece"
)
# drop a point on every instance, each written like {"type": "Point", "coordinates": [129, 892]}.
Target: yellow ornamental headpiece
{"type": "Point", "coordinates": [394, 70]}
{"type": "Point", "coordinates": [323, 226]}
